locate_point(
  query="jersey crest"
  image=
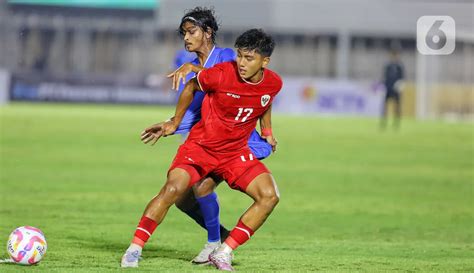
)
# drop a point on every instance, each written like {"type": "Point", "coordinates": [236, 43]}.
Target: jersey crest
{"type": "Point", "coordinates": [264, 100]}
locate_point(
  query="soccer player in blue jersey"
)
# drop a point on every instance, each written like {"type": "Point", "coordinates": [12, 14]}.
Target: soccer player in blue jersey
{"type": "Point", "coordinates": [198, 28]}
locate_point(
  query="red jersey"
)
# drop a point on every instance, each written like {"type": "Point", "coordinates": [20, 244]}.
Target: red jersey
{"type": "Point", "coordinates": [231, 107]}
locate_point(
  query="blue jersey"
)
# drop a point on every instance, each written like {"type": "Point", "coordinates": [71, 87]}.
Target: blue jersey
{"type": "Point", "coordinates": [183, 56]}
{"type": "Point", "coordinates": [259, 146]}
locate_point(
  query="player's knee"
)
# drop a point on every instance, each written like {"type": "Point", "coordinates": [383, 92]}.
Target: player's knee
{"type": "Point", "coordinates": [171, 191]}
{"type": "Point", "coordinates": [274, 200]}
{"type": "Point", "coordinates": [202, 191]}
{"type": "Point", "coordinates": [270, 198]}
{"type": "Point", "coordinates": [204, 187]}
{"type": "Point", "coordinates": [174, 189]}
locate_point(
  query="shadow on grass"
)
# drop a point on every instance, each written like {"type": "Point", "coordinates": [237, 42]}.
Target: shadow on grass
{"type": "Point", "coordinates": [150, 251]}
{"type": "Point", "coordinates": [116, 249]}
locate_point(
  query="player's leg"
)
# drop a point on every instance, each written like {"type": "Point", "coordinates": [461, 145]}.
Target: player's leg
{"type": "Point", "coordinates": [176, 184]}
{"type": "Point", "coordinates": [263, 190]}
{"type": "Point", "coordinates": [189, 205]}
{"type": "Point", "coordinates": [207, 199]}
{"type": "Point", "coordinates": [398, 110]}
{"type": "Point", "coordinates": [383, 118]}
{"type": "Point", "coordinates": [181, 176]}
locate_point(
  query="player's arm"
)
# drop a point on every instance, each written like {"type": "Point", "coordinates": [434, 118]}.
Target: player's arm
{"type": "Point", "coordinates": [266, 119]}
{"type": "Point", "coordinates": [266, 128]}
{"type": "Point", "coordinates": [179, 75]}
{"type": "Point", "coordinates": [184, 101]}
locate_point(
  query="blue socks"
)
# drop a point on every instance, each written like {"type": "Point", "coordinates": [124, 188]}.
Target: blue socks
{"type": "Point", "coordinates": [210, 212]}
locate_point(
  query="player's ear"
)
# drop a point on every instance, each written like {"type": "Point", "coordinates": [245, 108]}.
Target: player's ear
{"type": "Point", "coordinates": [208, 33]}
{"type": "Point", "coordinates": [266, 61]}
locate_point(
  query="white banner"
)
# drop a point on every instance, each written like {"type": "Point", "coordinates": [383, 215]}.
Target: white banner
{"type": "Point", "coordinates": [329, 97]}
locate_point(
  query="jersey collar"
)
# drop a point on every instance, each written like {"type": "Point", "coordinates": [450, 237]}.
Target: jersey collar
{"type": "Point", "coordinates": [209, 57]}
{"type": "Point", "coordinates": [253, 83]}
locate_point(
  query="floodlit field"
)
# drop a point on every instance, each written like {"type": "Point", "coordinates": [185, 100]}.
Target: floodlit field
{"type": "Point", "coordinates": [352, 198]}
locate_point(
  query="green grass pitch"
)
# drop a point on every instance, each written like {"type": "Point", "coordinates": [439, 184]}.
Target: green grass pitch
{"type": "Point", "coordinates": [352, 198]}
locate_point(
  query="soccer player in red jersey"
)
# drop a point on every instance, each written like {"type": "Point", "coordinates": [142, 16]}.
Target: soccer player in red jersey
{"type": "Point", "coordinates": [198, 29]}
{"type": "Point", "coordinates": [237, 95]}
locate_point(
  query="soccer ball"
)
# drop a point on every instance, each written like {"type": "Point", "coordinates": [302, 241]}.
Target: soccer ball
{"type": "Point", "coordinates": [26, 245]}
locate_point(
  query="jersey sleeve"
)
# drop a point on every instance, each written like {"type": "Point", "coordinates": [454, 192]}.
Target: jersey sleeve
{"type": "Point", "coordinates": [209, 79]}
{"type": "Point", "coordinates": [279, 83]}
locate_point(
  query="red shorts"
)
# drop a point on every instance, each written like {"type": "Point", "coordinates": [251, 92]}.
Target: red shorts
{"type": "Point", "coordinates": [238, 169]}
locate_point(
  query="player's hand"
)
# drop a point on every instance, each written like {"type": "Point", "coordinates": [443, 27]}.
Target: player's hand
{"type": "Point", "coordinates": [152, 133]}
{"type": "Point", "coordinates": [272, 141]}
{"type": "Point", "coordinates": [179, 75]}
{"type": "Point", "coordinates": [169, 128]}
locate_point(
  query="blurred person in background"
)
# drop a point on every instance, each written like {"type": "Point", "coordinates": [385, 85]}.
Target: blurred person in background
{"type": "Point", "coordinates": [393, 74]}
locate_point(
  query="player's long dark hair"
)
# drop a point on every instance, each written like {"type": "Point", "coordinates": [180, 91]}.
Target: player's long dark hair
{"type": "Point", "coordinates": [258, 40]}
{"type": "Point", "coordinates": [203, 18]}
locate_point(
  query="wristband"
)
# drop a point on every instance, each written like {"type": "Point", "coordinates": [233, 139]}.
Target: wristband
{"type": "Point", "coordinates": [267, 132]}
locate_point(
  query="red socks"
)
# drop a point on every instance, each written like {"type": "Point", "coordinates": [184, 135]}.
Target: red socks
{"type": "Point", "coordinates": [144, 230]}
{"type": "Point", "coordinates": [239, 235]}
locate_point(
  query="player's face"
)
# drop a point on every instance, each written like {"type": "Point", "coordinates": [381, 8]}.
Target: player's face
{"type": "Point", "coordinates": [251, 64]}
{"type": "Point", "coordinates": [194, 37]}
